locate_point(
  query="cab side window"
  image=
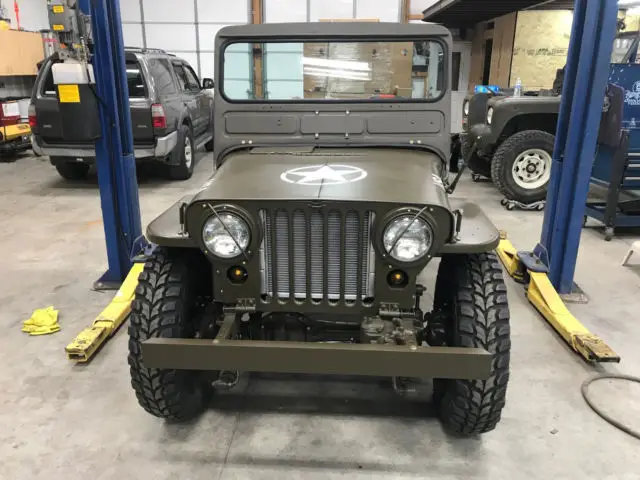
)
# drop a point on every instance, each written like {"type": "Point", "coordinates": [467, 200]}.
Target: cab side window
{"type": "Point", "coordinates": [187, 79]}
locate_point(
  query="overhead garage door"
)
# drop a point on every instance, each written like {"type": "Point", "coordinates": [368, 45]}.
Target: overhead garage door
{"type": "Point", "coordinates": [185, 28]}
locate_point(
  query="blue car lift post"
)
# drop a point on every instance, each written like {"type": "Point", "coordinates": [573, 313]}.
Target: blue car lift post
{"type": "Point", "coordinates": [115, 160]}
{"type": "Point", "coordinates": [549, 270]}
{"type": "Point", "coordinates": [116, 178]}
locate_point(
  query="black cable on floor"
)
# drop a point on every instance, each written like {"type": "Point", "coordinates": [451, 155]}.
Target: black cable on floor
{"type": "Point", "coordinates": [585, 394]}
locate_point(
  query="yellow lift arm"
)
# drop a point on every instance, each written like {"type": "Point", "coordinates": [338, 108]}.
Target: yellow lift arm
{"type": "Point", "coordinates": [87, 343]}
{"type": "Point", "coordinates": [546, 300]}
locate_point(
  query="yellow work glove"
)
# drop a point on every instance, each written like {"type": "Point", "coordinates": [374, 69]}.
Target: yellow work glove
{"type": "Point", "coordinates": [43, 321]}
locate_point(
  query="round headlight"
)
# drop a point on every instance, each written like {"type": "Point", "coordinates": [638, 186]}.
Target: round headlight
{"type": "Point", "coordinates": [489, 116]}
{"type": "Point", "coordinates": [407, 238]}
{"type": "Point", "coordinates": [465, 109]}
{"type": "Point", "coordinates": [226, 235]}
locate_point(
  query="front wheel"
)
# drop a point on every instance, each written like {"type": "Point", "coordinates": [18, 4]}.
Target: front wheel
{"type": "Point", "coordinates": [164, 307]}
{"type": "Point", "coordinates": [521, 167]}
{"type": "Point", "coordinates": [470, 291]}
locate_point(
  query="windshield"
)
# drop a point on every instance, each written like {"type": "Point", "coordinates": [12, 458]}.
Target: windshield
{"type": "Point", "coordinates": [326, 71]}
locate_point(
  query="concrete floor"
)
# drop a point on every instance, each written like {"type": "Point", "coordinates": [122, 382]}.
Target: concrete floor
{"type": "Point", "coordinates": [59, 420]}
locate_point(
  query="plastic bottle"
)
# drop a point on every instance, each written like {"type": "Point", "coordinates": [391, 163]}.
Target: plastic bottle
{"type": "Point", "coordinates": [517, 92]}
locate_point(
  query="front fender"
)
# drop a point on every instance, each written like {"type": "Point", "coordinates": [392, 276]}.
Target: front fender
{"type": "Point", "coordinates": [166, 230]}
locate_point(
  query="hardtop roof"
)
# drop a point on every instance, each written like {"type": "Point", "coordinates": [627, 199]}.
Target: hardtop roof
{"type": "Point", "coordinates": [326, 30]}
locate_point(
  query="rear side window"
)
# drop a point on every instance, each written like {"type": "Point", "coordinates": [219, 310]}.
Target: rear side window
{"type": "Point", "coordinates": [48, 88]}
{"type": "Point", "coordinates": [162, 76]}
{"type": "Point", "coordinates": [192, 78]}
{"type": "Point", "coordinates": [182, 76]}
{"type": "Point", "coordinates": [137, 87]}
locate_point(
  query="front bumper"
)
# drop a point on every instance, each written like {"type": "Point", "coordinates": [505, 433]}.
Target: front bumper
{"type": "Point", "coordinates": [15, 137]}
{"type": "Point", "coordinates": [223, 353]}
{"type": "Point", "coordinates": [163, 147]}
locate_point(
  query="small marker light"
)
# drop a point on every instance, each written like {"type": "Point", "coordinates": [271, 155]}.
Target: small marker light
{"type": "Point", "coordinates": [237, 274]}
{"type": "Point", "coordinates": [397, 279]}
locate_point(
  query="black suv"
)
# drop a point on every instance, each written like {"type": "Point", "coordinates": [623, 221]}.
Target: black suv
{"type": "Point", "coordinates": [171, 115]}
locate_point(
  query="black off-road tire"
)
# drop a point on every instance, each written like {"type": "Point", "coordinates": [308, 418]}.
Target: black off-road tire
{"type": "Point", "coordinates": [164, 307]}
{"type": "Point", "coordinates": [471, 290]}
{"type": "Point", "coordinates": [182, 168]}
{"type": "Point", "coordinates": [72, 170]}
{"type": "Point", "coordinates": [506, 155]}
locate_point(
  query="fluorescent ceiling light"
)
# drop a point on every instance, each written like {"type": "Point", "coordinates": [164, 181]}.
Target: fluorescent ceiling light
{"type": "Point", "coordinates": [320, 72]}
{"type": "Point", "coordinates": [343, 64]}
{"type": "Point", "coordinates": [628, 3]}
{"type": "Point", "coordinates": [634, 11]}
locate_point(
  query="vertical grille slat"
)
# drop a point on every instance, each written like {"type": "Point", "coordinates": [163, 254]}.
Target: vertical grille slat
{"type": "Point", "coordinates": [300, 265]}
{"type": "Point", "coordinates": [317, 255]}
{"type": "Point", "coordinates": [332, 249]}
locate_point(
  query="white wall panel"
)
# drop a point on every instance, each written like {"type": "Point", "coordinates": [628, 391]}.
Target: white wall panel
{"type": "Point", "coordinates": [330, 9]}
{"type": "Point", "coordinates": [171, 37]}
{"type": "Point", "coordinates": [130, 10]}
{"type": "Point", "coordinates": [132, 33]}
{"type": "Point", "coordinates": [33, 14]}
{"type": "Point", "coordinates": [207, 36]}
{"type": "Point", "coordinates": [168, 11]}
{"type": "Point", "coordinates": [418, 6]}
{"type": "Point", "coordinates": [207, 64]}
{"type": "Point", "coordinates": [221, 11]}
{"type": "Point", "coordinates": [384, 10]}
{"type": "Point", "coordinates": [283, 11]}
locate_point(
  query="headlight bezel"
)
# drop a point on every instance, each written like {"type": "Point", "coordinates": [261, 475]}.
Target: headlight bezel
{"type": "Point", "coordinates": [490, 113]}
{"type": "Point", "coordinates": [466, 108]}
{"type": "Point", "coordinates": [386, 221]}
{"type": "Point", "coordinates": [255, 233]}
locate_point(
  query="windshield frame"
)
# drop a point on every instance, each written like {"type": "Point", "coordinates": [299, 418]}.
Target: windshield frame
{"type": "Point", "coordinates": [446, 81]}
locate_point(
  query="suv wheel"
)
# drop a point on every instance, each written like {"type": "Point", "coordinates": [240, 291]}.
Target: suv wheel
{"type": "Point", "coordinates": [521, 167]}
{"type": "Point", "coordinates": [470, 291]}
{"type": "Point", "coordinates": [70, 170]}
{"type": "Point", "coordinates": [184, 155]}
{"type": "Point", "coordinates": [164, 307]}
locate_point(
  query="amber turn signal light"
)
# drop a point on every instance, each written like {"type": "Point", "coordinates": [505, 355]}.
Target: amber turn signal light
{"type": "Point", "coordinates": [397, 279]}
{"type": "Point", "coordinates": [237, 274]}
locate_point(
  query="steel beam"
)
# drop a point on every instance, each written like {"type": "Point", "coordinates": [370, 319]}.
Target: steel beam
{"type": "Point", "coordinates": [587, 69]}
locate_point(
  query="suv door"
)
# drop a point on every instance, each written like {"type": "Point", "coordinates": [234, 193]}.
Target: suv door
{"type": "Point", "coordinates": [191, 94]}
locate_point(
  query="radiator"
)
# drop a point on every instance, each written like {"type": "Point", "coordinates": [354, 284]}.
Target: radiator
{"type": "Point", "coordinates": [317, 255]}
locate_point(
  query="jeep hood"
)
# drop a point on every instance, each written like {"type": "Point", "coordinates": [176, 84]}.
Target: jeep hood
{"type": "Point", "coordinates": [542, 102]}
{"type": "Point", "coordinates": [388, 175]}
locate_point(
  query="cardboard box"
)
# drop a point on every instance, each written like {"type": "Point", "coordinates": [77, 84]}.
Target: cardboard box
{"type": "Point", "coordinates": [20, 52]}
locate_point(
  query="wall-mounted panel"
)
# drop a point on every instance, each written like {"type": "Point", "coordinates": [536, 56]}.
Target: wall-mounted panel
{"type": "Point", "coordinates": [168, 11]}
{"type": "Point", "coordinates": [331, 9]}
{"type": "Point", "coordinates": [171, 37]}
{"type": "Point", "coordinates": [220, 11]}
{"type": "Point", "coordinates": [285, 11]}
{"type": "Point", "coordinates": [383, 10]}
{"type": "Point", "coordinates": [132, 34]}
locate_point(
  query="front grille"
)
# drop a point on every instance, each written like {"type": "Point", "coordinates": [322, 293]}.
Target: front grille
{"type": "Point", "coordinates": [316, 255]}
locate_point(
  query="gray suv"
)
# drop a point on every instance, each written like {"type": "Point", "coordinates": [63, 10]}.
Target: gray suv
{"type": "Point", "coordinates": [171, 115]}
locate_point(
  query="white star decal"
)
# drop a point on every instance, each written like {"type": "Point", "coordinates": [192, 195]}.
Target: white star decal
{"type": "Point", "coordinates": [324, 175]}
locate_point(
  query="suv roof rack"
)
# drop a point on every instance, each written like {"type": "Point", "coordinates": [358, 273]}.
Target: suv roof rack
{"type": "Point", "coordinates": [146, 50]}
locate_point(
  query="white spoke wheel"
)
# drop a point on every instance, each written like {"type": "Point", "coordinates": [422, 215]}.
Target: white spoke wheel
{"type": "Point", "coordinates": [188, 152]}
{"type": "Point", "coordinates": [532, 168]}
{"type": "Point", "coordinates": [183, 155]}
{"type": "Point", "coordinates": [521, 166]}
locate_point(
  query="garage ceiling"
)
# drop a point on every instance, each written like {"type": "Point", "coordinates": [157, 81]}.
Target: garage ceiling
{"type": "Point", "coordinates": [466, 13]}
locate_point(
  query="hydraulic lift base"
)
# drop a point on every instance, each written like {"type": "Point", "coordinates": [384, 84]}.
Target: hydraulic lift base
{"type": "Point", "coordinates": [543, 296]}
